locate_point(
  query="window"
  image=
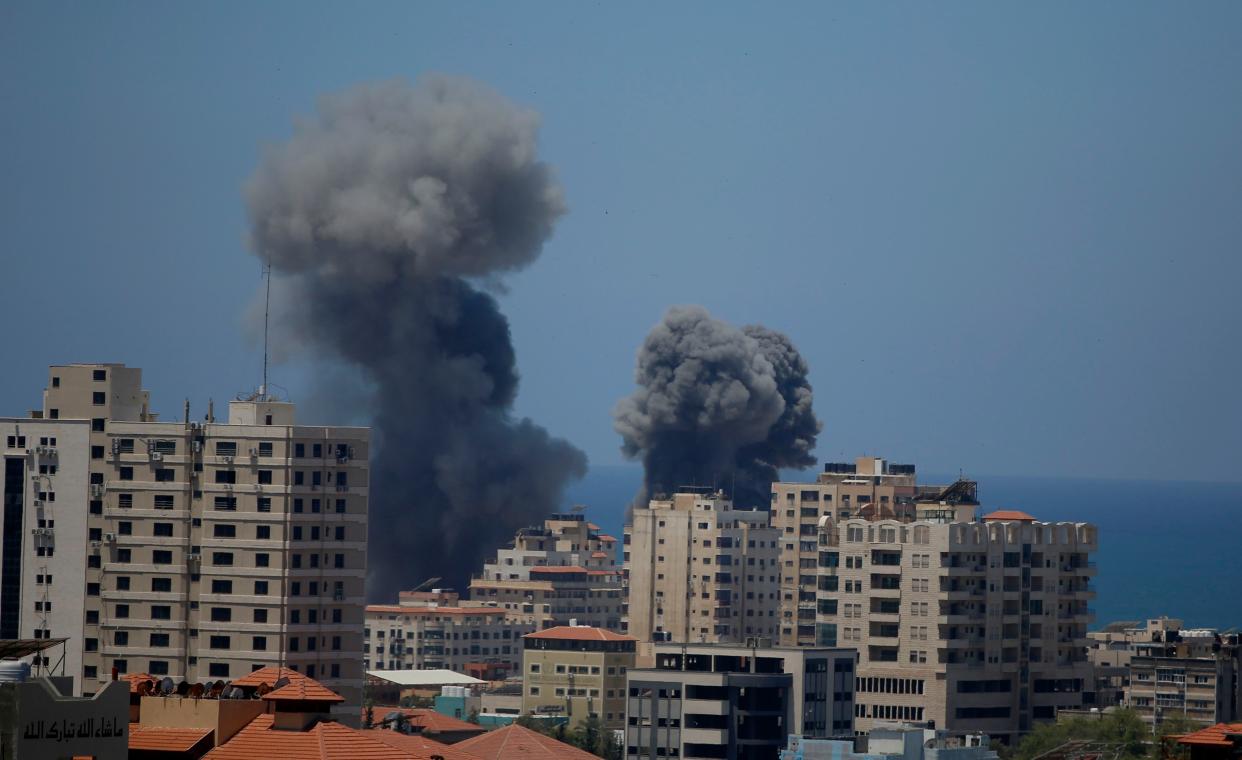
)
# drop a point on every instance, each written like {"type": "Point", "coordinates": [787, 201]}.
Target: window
{"type": "Point", "coordinates": [340, 506]}
{"type": "Point", "coordinates": [259, 643]}
{"type": "Point", "coordinates": [98, 375]}
{"type": "Point", "coordinates": [219, 642]}
{"type": "Point", "coordinates": [121, 638]}
{"type": "Point", "coordinates": [125, 500]}
{"type": "Point", "coordinates": [260, 616]}
{"type": "Point", "coordinates": [163, 529]}
{"type": "Point", "coordinates": [166, 447]}
{"type": "Point", "coordinates": [221, 586]}
{"type": "Point", "coordinates": [121, 666]}
{"type": "Point", "coordinates": [260, 560]}
{"type": "Point", "coordinates": [297, 505]}
{"type": "Point", "coordinates": [90, 645]}
{"type": "Point", "coordinates": [263, 532]}
{"type": "Point", "coordinates": [218, 670]}
{"type": "Point", "coordinates": [99, 398]}
{"type": "Point", "coordinates": [97, 425]}
{"type": "Point", "coordinates": [126, 473]}
{"type": "Point", "coordinates": [161, 557]}
{"type": "Point", "coordinates": [123, 556]}
{"type": "Point", "coordinates": [299, 450]}
{"type": "Point", "coordinates": [161, 612]}
{"type": "Point", "coordinates": [226, 503]}
{"type": "Point", "coordinates": [97, 452]}
{"type": "Point", "coordinates": [298, 477]}
{"type": "Point", "coordinates": [227, 477]}
{"type": "Point", "coordinates": [158, 667]}
{"type": "Point", "coordinates": [264, 504]}
{"type": "Point", "coordinates": [164, 475]}
{"type": "Point", "coordinates": [340, 533]}
{"type": "Point", "coordinates": [260, 588]}
{"type": "Point", "coordinates": [221, 614]}
{"type": "Point", "coordinates": [338, 560]}
{"type": "Point", "coordinates": [125, 528]}
{"type": "Point", "coordinates": [122, 610]}
{"type": "Point", "coordinates": [226, 448]}
{"type": "Point", "coordinates": [225, 530]}
{"type": "Point", "coordinates": [222, 558]}
{"type": "Point", "coordinates": [125, 445]}
{"type": "Point", "coordinates": [317, 450]}
{"type": "Point", "coordinates": [159, 640]}
{"type": "Point", "coordinates": [265, 448]}
{"type": "Point", "coordinates": [265, 477]}
{"type": "Point", "coordinates": [161, 585]}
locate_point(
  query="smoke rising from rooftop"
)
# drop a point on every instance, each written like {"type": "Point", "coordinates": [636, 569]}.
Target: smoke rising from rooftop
{"type": "Point", "coordinates": [385, 216]}
{"type": "Point", "coordinates": [717, 406]}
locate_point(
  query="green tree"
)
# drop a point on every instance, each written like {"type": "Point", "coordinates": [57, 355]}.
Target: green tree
{"type": "Point", "coordinates": [1123, 729]}
{"type": "Point", "coordinates": [473, 717]}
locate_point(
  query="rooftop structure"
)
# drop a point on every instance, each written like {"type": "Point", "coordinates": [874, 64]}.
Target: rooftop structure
{"type": "Point", "coordinates": [515, 741]}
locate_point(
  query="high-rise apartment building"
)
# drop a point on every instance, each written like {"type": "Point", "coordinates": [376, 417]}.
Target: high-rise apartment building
{"type": "Point", "coordinates": [207, 548]}
{"type": "Point", "coordinates": [562, 570]}
{"type": "Point", "coordinates": [737, 702]}
{"type": "Point", "coordinates": [700, 570]}
{"type": "Point", "coordinates": [577, 671]}
{"type": "Point", "coordinates": [432, 630]}
{"type": "Point", "coordinates": [978, 626]}
{"type": "Point", "coordinates": [871, 488]}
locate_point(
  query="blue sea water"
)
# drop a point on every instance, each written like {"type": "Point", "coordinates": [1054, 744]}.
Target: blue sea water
{"type": "Point", "coordinates": [1166, 547]}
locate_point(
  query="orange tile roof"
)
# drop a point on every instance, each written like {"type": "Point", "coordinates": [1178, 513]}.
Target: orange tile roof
{"type": "Point", "coordinates": [323, 741]}
{"type": "Point", "coordinates": [592, 526]}
{"type": "Point", "coordinates": [606, 537]}
{"type": "Point", "coordinates": [579, 633]}
{"type": "Point", "coordinates": [595, 555]}
{"type": "Point", "coordinates": [163, 739]}
{"type": "Point", "coordinates": [1009, 514]}
{"type": "Point", "coordinates": [513, 742]}
{"type": "Point", "coordinates": [418, 746]}
{"type": "Point", "coordinates": [1215, 736]}
{"type": "Point", "coordinates": [137, 678]}
{"type": "Point", "coordinates": [305, 690]}
{"type": "Point", "coordinates": [426, 719]}
{"type": "Point", "coordinates": [269, 676]}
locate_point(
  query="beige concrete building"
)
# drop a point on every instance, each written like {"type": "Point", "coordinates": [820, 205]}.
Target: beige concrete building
{"type": "Point", "coordinates": [1109, 651]}
{"type": "Point", "coordinates": [871, 487]}
{"type": "Point", "coordinates": [1195, 674]}
{"type": "Point", "coordinates": [411, 636]}
{"type": "Point", "coordinates": [210, 548]}
{"type": "Point", "coordinates": [978, 626]}
{"type": "Point", "coordinates": [555, 595]}
{"type": "Point", "coordinates": [700, 570]}
{"type": "Point", "coordinates": [564, 540]}
{"type": "Point", "coordinates": [728, 701]}
{"type": "Point", "coordinates": [576, 671]}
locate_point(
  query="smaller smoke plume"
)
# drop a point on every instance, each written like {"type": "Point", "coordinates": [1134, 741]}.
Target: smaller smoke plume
{"type": "Point", "coordinates": [717, 406]}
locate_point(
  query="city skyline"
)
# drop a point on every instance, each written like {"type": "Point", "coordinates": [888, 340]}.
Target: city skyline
{"type": "Point", "coordinates": [1058, 287]}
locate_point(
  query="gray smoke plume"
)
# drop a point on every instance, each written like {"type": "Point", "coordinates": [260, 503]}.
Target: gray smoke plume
{"type": "Point", "coordinates": [382, 215]}
{"type": "Point", "coordinates": [717, 406]}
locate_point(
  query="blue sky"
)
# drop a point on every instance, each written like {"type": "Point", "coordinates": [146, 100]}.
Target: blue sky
{"type": "Point", "coordinates": [1005, 236]}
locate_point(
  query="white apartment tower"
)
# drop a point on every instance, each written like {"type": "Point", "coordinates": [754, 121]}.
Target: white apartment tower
{"type": "Point", "coordinates": [701, 571]}
{"type": "Point", "coordinates": [196, 550]}
{"type": "Point", "coordinates": [976, 625]}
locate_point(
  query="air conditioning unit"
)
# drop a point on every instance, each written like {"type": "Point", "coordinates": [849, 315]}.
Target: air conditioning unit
{"type": "Point", "coordinates": [254, 453]}
{"type": "Point", "coordinates": [40, 449]}
{"type": "Point", "coordinates": [110, 537]}
{"type": "Point", "coordinates": [95, 545]}
{"type": "Point", "coordinates": [97, 490]}
{"type": "Point", "coordinates": [228, 458]}
{"type": "Point", "coordinates": [157, 456]}
{"type": "Point", "coordinates": [197, 446]}
{"type": "Point", "coordinates": [192, 557]}
{"type": "Point", "coordinates": [51, 451]}
{"type": "Point", "coordinates": [194, 425]}
{"type": "Point", "coordinates": [116, 446]}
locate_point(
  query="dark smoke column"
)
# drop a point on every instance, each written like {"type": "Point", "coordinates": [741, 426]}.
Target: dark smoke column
{"type": "Point", "coordinates": [717, 406]}
{"type": "Point", "coordinates": [379, 217]}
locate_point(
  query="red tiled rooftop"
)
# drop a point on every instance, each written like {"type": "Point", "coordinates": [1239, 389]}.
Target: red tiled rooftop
{"type": "Point", "coordinates": [606, 537]}
{"type": "Point", "coordinates": [305, 690]}
{"type": "Point", "coordinates": [598, 555]}
{"type": "Point", "coordinates": [1214, 736]}
{"type": "Point", "coordinates": [426, 719]}
{"type": "Point", "coordinates": [579, 633]}
{"type": "Point", "coordinates": [268, 676]}
{"type": "Point", "coordinates": [418, 746]}
{"type": "Point", "coordinates": [514, 742]}
{"type": "Point", "coordinates": [1009, 514]}
{"type": "Point", "coordinates": [323, 741]}
{"type": "Point", "coordinates": [162, 739]}
{"type": "Point", "coordinates": [137, 678]}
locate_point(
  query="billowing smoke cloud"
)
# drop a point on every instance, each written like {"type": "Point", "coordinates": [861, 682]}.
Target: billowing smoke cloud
{"type": "Point", "coordinates": [717, 406]}
{"type": "Point", "coordinates": [381, 216]}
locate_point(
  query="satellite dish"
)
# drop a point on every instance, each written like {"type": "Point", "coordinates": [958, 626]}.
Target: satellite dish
{"type": "Point", "coordinates": [143, 688]}
{"type": "Point", "coordinates": [218, 686]}
{"type": "Point", "coordinates": [263, 689]}
{"type": "Point", "coordinates": [392, 717]}
{"type": "Point", "coordinates": [196, 691]}
{"type": "Point", "coordinates": [236, 693]}
{"type": "Point", "coordinates": [167, 686]}
{"type": "Point", "coordinates": [183, 688]}
{"type": "Point", "coordinates": [282, 681]}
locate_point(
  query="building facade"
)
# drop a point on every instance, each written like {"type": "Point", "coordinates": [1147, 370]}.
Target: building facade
{"type": "Point", "coordinates": [871, 488]}
{"type": "Point", "coordinates": [209, 548]}
{"type": "Point", "coordinates": [737, 702]}
{"type": "Point", "coordinates": [1191, 674]}
{"type": "Point", "coordinates": [978, 626]}
{"type": "Point", "coordinates": [893, 742]}
{"type": "Point", "coordinates": [699, 570]}
{"type": "Point", "coordinates": [555, 595]}
{"type": "Point", "coordinates": [577, 671]}
{"type": "Point", "coordinates": [564, 540]}
{"type": "Point", "coordinates": [409, 637]}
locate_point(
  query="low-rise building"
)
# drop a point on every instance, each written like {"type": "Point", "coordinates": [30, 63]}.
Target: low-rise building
{"type": "Point", "coordinates": [737, 701]}
{"type": "Point", "coordinates": [1195, 674]}
{"type": "Point", "coordinates": [555, 595]}
{"type": "Point", "coordinates": [563, 540]}
{"type": "Point", "coordinates": [408, 637]}
{"type": "Point", "coordinates": [893, 742]}
{"type": "Point", "coordinates": [577, 671]}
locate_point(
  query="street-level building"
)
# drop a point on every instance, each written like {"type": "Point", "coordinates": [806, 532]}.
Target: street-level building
{"type": "Point", "coordinates": [977, 626]}
{"type": "Point", "coordinates": [208, 548]}
{"type": "Point", "coordinates": [739, 702]}
{"type": "Point", "coordinates": [871, 488]}
{"type": "Point", "coordinates": [700, 570]}
{"type": "Point", "coordinates": [577, 671]}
